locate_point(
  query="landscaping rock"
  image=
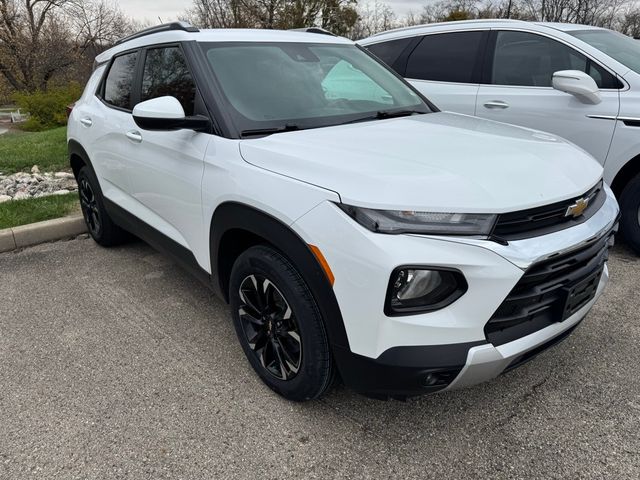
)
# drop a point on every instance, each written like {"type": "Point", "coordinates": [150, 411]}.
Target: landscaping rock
{"type": "Point", "coordinates": [35, 169]}
{"type": "Point", "coordinates": [4, 198]}
{"type": "Point", "coordinates": [23, 185]}
{"type": "Point", "coordinates": [66, 175]}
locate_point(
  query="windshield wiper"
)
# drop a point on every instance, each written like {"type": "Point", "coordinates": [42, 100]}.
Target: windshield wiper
{"type": "Point", "coordinates": [396, 113]}
{"type": "Point", "coordinates": [289, 127]}
{"type": "Point", "coordinates": [383, 114]}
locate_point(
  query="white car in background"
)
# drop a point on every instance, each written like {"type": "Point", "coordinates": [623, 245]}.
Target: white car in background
{"type": "Point", "coordinates": [579, 82]}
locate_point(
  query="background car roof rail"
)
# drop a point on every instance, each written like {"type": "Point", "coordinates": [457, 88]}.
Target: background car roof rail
{"type": "Point", "coordinates": [166, 27]}
{"type": "Point", "coordinates": [318, 30]}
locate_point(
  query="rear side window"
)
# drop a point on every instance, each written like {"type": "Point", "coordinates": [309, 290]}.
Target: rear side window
{"type": "Point", "coordinates": [527, 59]}
{"type": "Point", "coordinates": [389, 51]}
{"type": "Point", "coordinates": [447, 57]}
{"type": "Point", "coordinates": [119, 82]}
{"type": "Point", "coordinates": [166, 74]}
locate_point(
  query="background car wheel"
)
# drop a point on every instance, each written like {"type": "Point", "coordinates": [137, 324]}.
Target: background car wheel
{"type": "Point", "coordinates": [279, 325]}
{"type": "Point", "coordinates": [630, 209]}
{"type": "Point", "coordinates": [100, 226]}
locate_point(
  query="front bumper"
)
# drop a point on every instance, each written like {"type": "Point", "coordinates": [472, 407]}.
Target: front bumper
{"type": "Point", "coordinates": [399, 356]}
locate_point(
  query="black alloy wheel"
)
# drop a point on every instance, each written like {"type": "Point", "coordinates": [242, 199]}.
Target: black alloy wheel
{"type": "Point", "coordinates": [279, 324]}
{"type": "Point", "coordinates": [89, 206]}
{"type": "Point", "coordinates": [270, 327]}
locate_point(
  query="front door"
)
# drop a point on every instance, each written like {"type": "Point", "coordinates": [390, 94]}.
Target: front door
{"type": "Point", "coordinates": [519, 91]}
{"type": "Point", "coordinates": [167, 166]}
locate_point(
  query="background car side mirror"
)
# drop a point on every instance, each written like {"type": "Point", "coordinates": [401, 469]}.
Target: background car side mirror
{"type": "Point", "coordinates": [166, 113]}
{"type": "Point", "coordinates": [577, 83]}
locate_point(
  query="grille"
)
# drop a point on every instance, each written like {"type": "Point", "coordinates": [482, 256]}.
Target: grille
{"type": "Point", "coordinates": [549, 292]}
{"type": "Point", "coordinates": [549, 218]}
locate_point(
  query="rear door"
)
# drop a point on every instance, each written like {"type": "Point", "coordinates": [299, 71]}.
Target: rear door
{"type": "Point", "coordinates": [446, 68]}
{"type": "Point", "coordinates": [517, 89]}
{"type": "Point", "coordinates": [108, 118]}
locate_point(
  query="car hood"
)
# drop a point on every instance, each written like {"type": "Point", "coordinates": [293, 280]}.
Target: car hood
{"type": "Point", "coordinates": [441, 162]}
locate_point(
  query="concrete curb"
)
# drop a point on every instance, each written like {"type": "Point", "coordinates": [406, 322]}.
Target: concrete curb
{"type": "Point", "coordinates": [41, 232]}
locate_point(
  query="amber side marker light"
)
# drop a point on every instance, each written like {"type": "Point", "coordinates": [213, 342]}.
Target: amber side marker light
{"type": "Point", "coordinates": [323, 263]}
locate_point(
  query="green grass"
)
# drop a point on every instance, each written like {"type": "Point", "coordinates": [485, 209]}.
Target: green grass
{"type": "Point", "coordinates": [19, 151]}
{"type": "Point", "coordinates": [22, 212]}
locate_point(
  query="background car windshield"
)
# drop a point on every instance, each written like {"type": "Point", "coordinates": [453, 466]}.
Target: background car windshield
{"type": "Point", "coordinates": [624, 49]}
{"type": "Point", "coordinates": [310, 85]}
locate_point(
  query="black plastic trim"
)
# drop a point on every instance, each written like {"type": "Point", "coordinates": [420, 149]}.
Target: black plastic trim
{"type": "Point", "coordinates": [158, 240]}
{"type": "Point", "coordinates": [236, 216]}
{"type": "Point", "coordinates": [463, 286]}
{"type": "Point", "coordinates": [198, 123]}
{"type": "Point", "coordinates": [399, 372]}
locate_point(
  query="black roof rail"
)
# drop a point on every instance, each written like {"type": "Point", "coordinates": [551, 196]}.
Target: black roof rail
{"type": "Point", "coordinates": [318, 30]}
{"type": "Point", "coordinates": [166, 27]}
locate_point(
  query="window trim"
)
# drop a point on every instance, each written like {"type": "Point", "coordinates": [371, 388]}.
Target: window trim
{"type": "Point", "coordinates": [101, 88]}
{"type": "Point", "coordinates": [489, 60]}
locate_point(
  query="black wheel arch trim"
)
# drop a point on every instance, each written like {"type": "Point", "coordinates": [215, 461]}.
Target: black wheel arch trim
{"type": "Point", "coordinates": [231, 216]}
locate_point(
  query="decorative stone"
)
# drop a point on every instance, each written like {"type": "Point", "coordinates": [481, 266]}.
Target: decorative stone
{"type": "Point", "coordinates": [35, 169]}
{"type": "Point", "coordinates": [61, 192]}
{"type": "Point", "coordinates": [5, 198]}
{"type": "Point", "coordinates": [63, 175]}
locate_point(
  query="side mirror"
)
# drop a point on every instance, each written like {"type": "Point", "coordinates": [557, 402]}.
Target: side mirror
{"type": "Point", "coordinates": [577, 83]}
{"type": "Point", "coordinates": [165, 114]}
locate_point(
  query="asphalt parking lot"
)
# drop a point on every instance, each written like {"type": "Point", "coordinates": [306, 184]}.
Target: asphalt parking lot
{"type": "Point", "coordinates": [116, 364]}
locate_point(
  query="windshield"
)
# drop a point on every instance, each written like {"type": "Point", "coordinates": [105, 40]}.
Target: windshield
{"type": "Point", "coordinates": [288, 86]}
{"type": "Point", "coordinates": [624, 49]}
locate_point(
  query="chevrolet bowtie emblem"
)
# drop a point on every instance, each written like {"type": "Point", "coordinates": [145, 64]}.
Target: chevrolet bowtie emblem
{"type": "Point", "coordinates": [577, 208]}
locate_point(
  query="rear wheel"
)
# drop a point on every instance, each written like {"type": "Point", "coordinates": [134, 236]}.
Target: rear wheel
{"type": "Point", "coordinates": [630, 209]}
{"type": "Point", "coordinates": [279, 326]}
{"type": "Point", "coordinates": [100, 226]}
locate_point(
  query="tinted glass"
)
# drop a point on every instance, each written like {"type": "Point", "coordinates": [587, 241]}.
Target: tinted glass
{"type": "Point", "coordinates": [309, 85]}
{"type": "Point", "coordinates": [446, 57]}
{"type": "Point", "coordinates": [389, 52]}
{"type": "Point", "coordinates": [530, 60]}
{"type": "Point", "coordinates": [166, 73]}
{"type": "Point", "coordinates": [625, 50]}
{"type": "Point", "coordinates": [117, 87]}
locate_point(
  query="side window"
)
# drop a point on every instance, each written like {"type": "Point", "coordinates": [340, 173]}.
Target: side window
{"type": "Point", "coordinates": [528, 59]}
{"type": "Point", "coordinates": [446, 57]}
{"type": "Point", "coordinates": [119, 81]}
{"type": "Point", "coordinates": [166, 73]}
{"type": "Point", "coordinates": [389, 51]}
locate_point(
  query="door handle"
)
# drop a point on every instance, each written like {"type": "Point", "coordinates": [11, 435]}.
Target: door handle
{"type": "Point", "coordinates": [86, 121]}
{"type": "Point", "coordinates": [134, 136]}
{"type": "Point", "coordinates": [496, 104]}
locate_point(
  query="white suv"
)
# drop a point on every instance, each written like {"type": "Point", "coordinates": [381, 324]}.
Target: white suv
{"type": "Point", "coordinates": [352, 227]}
{"type": "Point", "coordinates": [579, 82]}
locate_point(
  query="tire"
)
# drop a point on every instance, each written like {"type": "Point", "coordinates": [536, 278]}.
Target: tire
{"type": "Point", "coordinates": [630, 210]}
{"type": "Point", "coordinates": [99, 224]}
{"type": "Point", "coordinates": [267, 325]}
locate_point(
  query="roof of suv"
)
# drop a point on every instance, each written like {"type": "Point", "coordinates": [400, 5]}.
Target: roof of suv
{"type": "Point", "coordinates": [222, 35]}
{"type": "Point", "coordinates": [417, 29]}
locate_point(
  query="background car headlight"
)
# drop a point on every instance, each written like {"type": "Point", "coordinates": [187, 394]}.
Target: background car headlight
{"type": "Point", "coordinates": [399, 221]}
{"type": "Point", "coordinates": [420, 289]}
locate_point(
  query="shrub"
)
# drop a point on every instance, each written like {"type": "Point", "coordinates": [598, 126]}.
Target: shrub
{"type": "Point", "coordinates": [47, 109]}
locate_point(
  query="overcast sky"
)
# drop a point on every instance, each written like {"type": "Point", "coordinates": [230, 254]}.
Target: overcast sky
{"type": "Point", "coordinates": [170, 9]}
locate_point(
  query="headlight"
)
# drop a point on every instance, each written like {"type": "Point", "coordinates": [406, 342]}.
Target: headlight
{"type": "Point", "coordinates": [422, 289]}
{"type": "Point", "coordinates": [398, 221]}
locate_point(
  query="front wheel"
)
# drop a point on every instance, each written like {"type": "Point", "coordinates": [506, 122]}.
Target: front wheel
{"type": "Point", "coordinates": [279, 325]}
{"type": "Point", "coordinates": [630, 210]}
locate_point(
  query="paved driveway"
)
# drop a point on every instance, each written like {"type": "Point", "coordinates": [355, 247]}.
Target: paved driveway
{"type": "Point", "coordinates": [116, 364]}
